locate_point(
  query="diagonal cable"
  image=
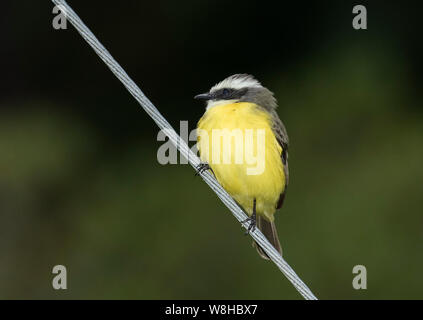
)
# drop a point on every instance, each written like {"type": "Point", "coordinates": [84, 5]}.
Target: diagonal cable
{"type": "Point", "coordinates": [182, 146]}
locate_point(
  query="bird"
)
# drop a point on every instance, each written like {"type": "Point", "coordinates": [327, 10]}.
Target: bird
{"type": "Point", "coordinates": [236, 106]}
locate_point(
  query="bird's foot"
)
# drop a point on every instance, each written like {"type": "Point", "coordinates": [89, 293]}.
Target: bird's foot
{"type": "Point", "coordinates": [202, 167]}
{"type": "Point", "coordinates": [252, 226]}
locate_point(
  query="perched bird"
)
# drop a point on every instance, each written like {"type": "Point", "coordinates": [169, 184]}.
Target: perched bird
{"type": "Point", "coordinates": [240, 104]}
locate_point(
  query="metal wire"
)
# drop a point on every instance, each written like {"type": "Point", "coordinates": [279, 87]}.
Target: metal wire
{"type": "Point", "coordinates": [182, 146]}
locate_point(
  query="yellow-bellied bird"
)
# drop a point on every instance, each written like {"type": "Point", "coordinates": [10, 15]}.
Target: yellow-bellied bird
{"type": "Point", "coordinates": [251, 163]}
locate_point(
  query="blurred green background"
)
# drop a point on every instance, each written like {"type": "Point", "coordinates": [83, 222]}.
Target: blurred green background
{"type": "Point", "coordinates": [80, 184]}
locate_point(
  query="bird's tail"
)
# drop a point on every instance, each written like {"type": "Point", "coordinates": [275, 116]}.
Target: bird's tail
{"type": "Point", "coordinates": [269, 231]}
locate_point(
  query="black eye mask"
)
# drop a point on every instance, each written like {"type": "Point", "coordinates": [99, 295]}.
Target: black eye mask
{"type": "Point", "coordinates": [229, 94]}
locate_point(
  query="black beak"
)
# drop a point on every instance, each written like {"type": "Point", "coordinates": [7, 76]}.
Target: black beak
{"type": "Point", "coordinates": [203, 96]}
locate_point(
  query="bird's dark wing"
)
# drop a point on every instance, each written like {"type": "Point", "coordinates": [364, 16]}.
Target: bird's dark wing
{"type": "Point", "coordinates": [283, 140]}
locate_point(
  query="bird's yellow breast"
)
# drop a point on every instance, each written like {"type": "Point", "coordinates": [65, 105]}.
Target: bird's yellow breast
{"type": "Point", "coordinates": [238, 143]}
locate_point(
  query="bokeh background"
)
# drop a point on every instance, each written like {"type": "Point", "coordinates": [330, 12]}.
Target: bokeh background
{"type": "Point", "coordinates": [80, 184]}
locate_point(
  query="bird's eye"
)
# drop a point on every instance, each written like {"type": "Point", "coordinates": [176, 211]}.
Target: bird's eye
{"type": "Point", "coordinates": [225, 92]}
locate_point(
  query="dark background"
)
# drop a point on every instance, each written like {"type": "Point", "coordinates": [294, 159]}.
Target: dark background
{"type": "Point", "coordinates": [80, 184]}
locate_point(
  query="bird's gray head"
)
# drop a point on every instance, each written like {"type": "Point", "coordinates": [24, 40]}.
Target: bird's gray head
{"type": "Point", "coordinates": [239, 88]}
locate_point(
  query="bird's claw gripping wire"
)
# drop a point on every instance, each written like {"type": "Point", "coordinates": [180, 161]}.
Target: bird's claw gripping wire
{"type": "Point", "coordinates": [252, 220]}
{"type": "Point", "coordinates": [252, 226]}
{"type": "Point", "coordinates": [203, 167]}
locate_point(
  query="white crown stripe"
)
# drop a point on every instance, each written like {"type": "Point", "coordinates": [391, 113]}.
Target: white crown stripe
{"type": "Point", "coordinates": [237, 82]}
